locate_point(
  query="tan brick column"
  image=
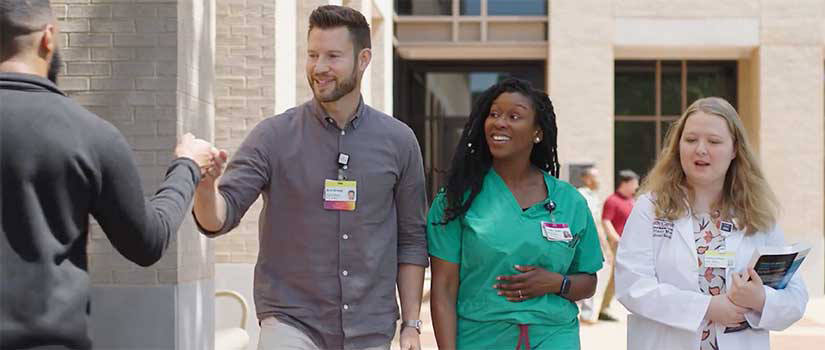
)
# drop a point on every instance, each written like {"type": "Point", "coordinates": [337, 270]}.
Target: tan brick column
{"type": "Point", "coordinates": [580, 83]}
{"type": "Point", "coordinates": [146, 67]}
{"type": "Point", "coordinates": [245, 94]}
{"type": "Point", "coordinates": [791, 122]}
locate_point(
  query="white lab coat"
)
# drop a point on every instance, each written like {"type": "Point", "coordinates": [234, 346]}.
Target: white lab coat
{"type": "Point", "coordinates": [657, 281]}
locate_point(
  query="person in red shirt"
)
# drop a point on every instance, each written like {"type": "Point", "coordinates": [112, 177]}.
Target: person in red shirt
{"type": "Point", "coordinates": [615, 212]}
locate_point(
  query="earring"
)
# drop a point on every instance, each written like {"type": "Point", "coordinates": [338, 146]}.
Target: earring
{"type": "Point", "coordinates": [537, 139]}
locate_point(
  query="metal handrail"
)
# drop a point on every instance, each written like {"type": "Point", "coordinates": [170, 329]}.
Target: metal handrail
{"type": "Point", "coordinates": [237, 296]}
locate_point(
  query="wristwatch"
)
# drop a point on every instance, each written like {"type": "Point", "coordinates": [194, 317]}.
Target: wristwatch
{"type": "Point", "coordinates": [413, 324]}
{"type": "Point", "coordinates": [565, 286]}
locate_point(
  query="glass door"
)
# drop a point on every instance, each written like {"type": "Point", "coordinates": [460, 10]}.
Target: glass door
{"type": "Point", "coordinates": [435, 99]}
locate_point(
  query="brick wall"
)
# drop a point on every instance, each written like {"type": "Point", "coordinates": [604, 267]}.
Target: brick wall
{"type": "Point", "coordinates": [304, 9]}
{"type": "Point", "coordinates": [244, 92]}
{"type": "Point", "coordinates": [146, 66]}
{"type": "Point", "coordinates": [120, 63]}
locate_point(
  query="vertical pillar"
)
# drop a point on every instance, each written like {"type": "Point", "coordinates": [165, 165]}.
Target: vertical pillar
{"type": "Point", "coordinates": [147, 68]}
{"type": "Point", "coordinates": [580, 82]}
{"type": "Point", "coordinates": [791, 123]}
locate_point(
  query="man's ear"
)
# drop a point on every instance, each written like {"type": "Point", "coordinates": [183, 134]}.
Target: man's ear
{"type": "Point", "coordinates": [364, 58]}
{"type": "Point", "coordinates": [47, 42]}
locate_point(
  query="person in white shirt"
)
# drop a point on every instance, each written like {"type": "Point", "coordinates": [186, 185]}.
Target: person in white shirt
{"type": "Point", "coordinates": [590, 307]}
{"type": "Point", "coordinates": [706, 196]}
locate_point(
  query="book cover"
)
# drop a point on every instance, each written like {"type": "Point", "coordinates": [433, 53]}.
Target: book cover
{"type": "Point", "coordinates": [775, 266]}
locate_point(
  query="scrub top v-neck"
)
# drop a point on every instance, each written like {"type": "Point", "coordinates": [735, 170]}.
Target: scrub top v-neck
{"type": "Point", "coordinates": [496, 233]}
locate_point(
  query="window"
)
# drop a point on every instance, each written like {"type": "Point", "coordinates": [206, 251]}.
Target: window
{"type": "Point", "coordinates": [471, 7]}
{"type": "Point", "coordinates": [424, 7]}
{"type": "Point", "coordinates": [517, 7]}
{"type": "Point", "coordinates": [651, 95]}
{"type": "Point", "coordinates": [473, 21]}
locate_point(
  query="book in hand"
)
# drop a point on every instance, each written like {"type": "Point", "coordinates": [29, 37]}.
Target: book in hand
{"type": "Point", "coordinates": [775, 266]}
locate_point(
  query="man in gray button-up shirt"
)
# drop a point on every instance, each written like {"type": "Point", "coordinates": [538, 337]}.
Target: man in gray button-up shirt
{"type": "Point", "coordinates": [326, 278]}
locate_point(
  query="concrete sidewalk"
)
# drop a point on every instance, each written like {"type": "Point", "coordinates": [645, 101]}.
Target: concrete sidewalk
{"type": "Point", "coordinates": [808, 333]}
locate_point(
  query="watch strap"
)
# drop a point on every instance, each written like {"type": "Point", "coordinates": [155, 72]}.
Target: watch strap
{"type": "Point", "coordinates": [412, 324]}
{"type": "Point", "coordinates": [565, 286]}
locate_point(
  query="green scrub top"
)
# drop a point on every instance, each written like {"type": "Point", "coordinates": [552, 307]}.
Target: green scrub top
{"type": "Point", "coordinates": [494, 235]}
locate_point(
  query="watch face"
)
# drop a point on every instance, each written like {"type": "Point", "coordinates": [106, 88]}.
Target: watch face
{"type": "Point", "coordinates": [415, 324]}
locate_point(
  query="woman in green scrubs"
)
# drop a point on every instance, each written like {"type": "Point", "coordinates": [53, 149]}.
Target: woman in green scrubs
{"type": "Point", "coordinates": [512, 247]}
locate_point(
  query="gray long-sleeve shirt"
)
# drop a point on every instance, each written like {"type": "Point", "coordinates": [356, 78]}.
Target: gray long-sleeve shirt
{"type": "Point", "coordinates": [332, 274]}
{"type": "Point", "coordinates": [58, 164]}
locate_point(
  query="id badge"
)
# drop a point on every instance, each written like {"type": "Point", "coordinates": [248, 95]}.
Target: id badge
{"type": "Point", "coordinates": [340, 195]}
{"type": "Point", "coordinates": [720, 259]}
{"type": "Point", "coordinates": [556, 232]}
{"type": "Point", "coordinates": [726, 227]}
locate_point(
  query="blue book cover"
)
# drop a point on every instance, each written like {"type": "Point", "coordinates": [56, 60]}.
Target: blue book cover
{"type": "Point", "coordinates": [775, 266]}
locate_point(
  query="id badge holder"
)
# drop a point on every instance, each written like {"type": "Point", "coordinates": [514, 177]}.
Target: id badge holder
{"type": "Point", "coordinates": [720, 259]}
{"type": "Point", "coordinates": [340, 195]}
{"type": "Point", "coordinates": [556, 232]}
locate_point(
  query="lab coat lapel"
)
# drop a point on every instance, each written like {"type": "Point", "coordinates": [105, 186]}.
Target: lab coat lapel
{"type": "Point", "coordinates": [685, 227]}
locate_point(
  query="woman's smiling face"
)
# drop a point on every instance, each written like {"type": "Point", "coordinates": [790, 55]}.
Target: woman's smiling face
{"type": "Point", "coordinates": [510, 127]}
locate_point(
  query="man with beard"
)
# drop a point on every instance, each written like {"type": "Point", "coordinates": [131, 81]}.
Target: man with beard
{"type": "Point", "coordinates": [328, 266]}
{"type": "Point", "coordinates": [59, 163]}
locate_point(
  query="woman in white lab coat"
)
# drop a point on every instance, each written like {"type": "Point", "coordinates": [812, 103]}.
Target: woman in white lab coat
{"type": "Point", "coordinates": [704, 207]}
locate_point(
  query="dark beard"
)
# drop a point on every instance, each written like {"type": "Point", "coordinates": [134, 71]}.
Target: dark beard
{"type": "Point", "coordinates": [345, 87]}
{"type": "Point", "coordinates": [54, 66]}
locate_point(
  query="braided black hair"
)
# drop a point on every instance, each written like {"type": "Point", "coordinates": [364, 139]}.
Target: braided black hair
{"type": "Point", "coordinates": [472, 158]}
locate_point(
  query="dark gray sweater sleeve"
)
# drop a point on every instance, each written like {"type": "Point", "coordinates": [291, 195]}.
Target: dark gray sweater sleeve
{"type": "Point", "coordinates": [246, 175]}
{"type": "Point", "coordinates": [141, 228]}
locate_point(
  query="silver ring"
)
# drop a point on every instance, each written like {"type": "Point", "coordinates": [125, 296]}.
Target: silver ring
{"type": "Point", "coordinates": [520, 295]}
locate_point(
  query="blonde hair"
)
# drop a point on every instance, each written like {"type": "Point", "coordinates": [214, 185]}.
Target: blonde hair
{"type": "Point", "coordinates": [746, 196]}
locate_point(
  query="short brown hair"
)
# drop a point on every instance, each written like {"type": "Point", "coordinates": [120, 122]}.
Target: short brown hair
{"type": "Point", "coordinates": [332, 16]}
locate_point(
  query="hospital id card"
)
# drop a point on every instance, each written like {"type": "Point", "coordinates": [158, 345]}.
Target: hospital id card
{"type": "Point", "coordinates": [719, 258]}
{"type": "Point", "coordinates": [340, 195]}
{"type": "Point", "coordinates": [556, 232]}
